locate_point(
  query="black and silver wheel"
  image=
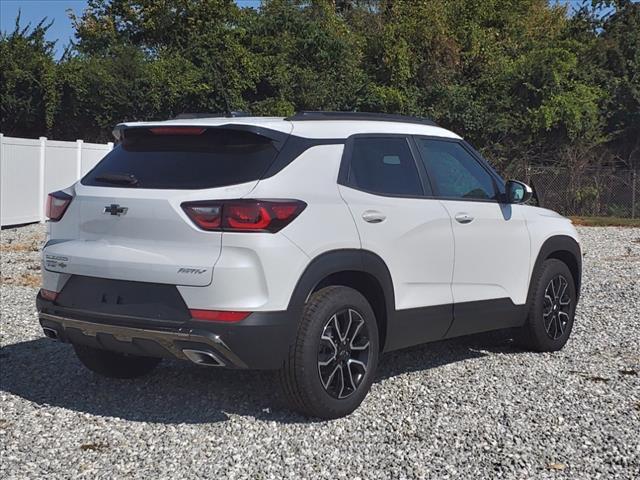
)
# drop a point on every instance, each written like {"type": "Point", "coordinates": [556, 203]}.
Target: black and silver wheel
{"type": "Point", "coordinates": [343, 354]}
{"type": "Point", "coordinates": [552, 305]}
{"type": "Point", "coordinates": [332, 363]}
{"type": "Point", "coordinates": [557, 307]}
{"type": "Point", "coordinates": [115, 364]}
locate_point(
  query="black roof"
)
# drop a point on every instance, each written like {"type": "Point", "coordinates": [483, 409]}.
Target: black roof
{"type": "Point", "coordinates": [383, 117]}
{"type": "Point", "coordinates": [183, 116]}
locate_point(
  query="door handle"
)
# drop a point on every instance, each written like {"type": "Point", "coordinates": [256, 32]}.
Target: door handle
{"type": "Point", "coordinates": [463, 217]}
{"type": "Point", "coordinates": [373, 216]}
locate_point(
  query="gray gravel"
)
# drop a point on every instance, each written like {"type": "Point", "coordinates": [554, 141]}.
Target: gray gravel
{"type": "Point", "coordinates": [468, 408]}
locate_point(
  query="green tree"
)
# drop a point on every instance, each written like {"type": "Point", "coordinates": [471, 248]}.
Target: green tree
{"type": "Point", "coordinates": [28, 85]}
{"type": "Point", "coordinates": [209, 35]}
{"type": "Point", "coordinates": [306, 56]}
{"type": "Point", "coordinates": [621, 38]}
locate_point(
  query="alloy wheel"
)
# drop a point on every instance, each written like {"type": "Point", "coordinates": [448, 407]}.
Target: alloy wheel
{"type": "Point", "coordinates": [556, 309]}
{"type": "Point", "coordinates": [343, 354]}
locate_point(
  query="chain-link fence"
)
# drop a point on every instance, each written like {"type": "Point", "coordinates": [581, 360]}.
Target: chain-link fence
{"type": "Point", "coordinates": [588, 192]}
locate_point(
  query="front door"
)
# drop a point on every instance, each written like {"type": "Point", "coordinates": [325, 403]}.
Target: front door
{"type": "Point", "coordinates": [491, 267]}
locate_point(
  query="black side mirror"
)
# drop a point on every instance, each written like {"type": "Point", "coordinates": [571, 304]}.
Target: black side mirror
{"type": "Point", "coordinates": [517, 192]}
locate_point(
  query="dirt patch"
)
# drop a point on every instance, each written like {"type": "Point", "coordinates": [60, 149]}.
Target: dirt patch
{"type": "Point", "coordinates": [24, 280]}
{"type": "Point", "coordinates": [33, 246]}
{"type": "Point", "coordinates": [94, 447]}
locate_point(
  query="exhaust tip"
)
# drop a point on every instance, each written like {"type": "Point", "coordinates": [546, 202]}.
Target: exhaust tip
{"type": "Point", "coordinates": [204, 358]}
{"type": "Point", "coordinates": [50, 333]}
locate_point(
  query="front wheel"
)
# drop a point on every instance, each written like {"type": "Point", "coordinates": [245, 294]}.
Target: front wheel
{"type": "Point", "coordinates": [552, 308]}
{"type": "Point", "coordinates": [332, 363]}
{"type": "Point", "coordinates": [114, 364]}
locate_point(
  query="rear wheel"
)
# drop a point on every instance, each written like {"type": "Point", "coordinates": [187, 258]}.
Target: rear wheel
{"type": "Point", "coordinates": [551, 308]}
{"type": "Point", "coordinates": [332, 363]}
{"type": "Point", "coordinates": [114, 364]}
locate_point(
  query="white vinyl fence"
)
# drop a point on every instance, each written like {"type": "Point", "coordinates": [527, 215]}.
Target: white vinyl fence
{"type": "Point", "coordinates": [30, 169]}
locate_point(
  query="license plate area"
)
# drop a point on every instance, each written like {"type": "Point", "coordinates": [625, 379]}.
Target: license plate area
{"type": "Point", "coordinates": [154, 301]}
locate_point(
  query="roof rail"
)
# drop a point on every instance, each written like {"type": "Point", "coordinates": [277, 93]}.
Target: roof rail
{"type": "Point", "coordinates": [380, 117]}
{"type": "Point", "coordinates": [185, 116]}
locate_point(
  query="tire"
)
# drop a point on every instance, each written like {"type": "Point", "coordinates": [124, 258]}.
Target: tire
{"type": "Point", "coordinates": [552, 306]}
{"type": "Point", "coordinates": [114, 364]}
{"type": "Point", "coordinates": [322, 354]}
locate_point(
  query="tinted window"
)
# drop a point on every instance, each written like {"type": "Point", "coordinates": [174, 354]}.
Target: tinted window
{"type": "Point", "coordinates": [212, 158]}
{"type": "Point", "coordinates": [385, 166]}
{"type": "Point", "coordinates": [455, 172]}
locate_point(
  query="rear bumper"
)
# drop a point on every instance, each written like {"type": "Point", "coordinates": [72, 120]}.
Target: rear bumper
{"type": "Point", "coordinates": [261, 341]}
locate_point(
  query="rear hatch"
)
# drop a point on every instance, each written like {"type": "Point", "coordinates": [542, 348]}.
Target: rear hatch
{"type": "Point", "coordinates": [126, 222]}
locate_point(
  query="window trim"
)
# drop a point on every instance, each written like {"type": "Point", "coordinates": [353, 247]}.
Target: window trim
{"type": "Point", "coordinates": [495, 178]}
{"type": "Point", "coordinates": [345, 165]}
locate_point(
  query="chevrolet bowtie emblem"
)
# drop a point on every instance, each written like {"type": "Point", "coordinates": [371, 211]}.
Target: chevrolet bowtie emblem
{"type": "Point", "coordinates": [115, 209]}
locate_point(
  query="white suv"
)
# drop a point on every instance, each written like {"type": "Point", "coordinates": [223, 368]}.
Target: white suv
{"type": "Point", "coordinates": [309, 244]}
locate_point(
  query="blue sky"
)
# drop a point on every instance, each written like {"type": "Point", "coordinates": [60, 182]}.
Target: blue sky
{"type": "Point", "coordinates": [34, 10]}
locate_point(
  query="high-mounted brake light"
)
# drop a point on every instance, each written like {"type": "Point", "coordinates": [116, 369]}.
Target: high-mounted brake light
{"type": "Point", "coordinates": [177, 130]}
{"type": "Point", "coordinates": [218, 315]}
{"type": "Point", "coordinates": [243, 215]}
{"type": "Point", "coordinates": [57, 204]}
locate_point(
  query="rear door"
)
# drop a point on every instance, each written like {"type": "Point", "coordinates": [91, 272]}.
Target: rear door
{"type": "Point", "coordinates": [492, 248]}
{"type": "Point", "coordinates": [126, 221]}
{"type": "Point", "coordinates": [411, 233]}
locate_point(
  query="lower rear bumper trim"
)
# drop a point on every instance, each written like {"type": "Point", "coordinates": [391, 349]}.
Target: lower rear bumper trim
{"type": "Point", "coordinates": [168, 339]}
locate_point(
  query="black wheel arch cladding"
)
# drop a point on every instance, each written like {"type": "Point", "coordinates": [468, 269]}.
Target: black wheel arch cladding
{"type": "Point", "coordinates": [567, 250]}
{"type": "Point", "coordinates": [341, 267]}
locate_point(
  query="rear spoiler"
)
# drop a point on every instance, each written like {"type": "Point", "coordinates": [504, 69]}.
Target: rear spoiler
{"type": "Point", "coordinates": [278, 137]}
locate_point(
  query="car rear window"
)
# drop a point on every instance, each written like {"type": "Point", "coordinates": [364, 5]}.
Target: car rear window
{"type": "Point", "coordinates": [186, 158]}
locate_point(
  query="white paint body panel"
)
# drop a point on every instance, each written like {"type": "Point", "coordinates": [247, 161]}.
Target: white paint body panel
{"type": "Point", "coordinates": [150, 243]}
{"type": "Point", "coordinates": [326, 223]}
{"type": "Point", "coordinates": [415, 240]}
{"type": "Point", "coordinates": [544, 224]}
{"type": "Point", "coordinates": [492, 252]}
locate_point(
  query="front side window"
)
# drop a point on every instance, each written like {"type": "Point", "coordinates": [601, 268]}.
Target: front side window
{"type": "Point", "coordinates": [384, 165]}
{"type": "Point", "coordinates": [455, 172]}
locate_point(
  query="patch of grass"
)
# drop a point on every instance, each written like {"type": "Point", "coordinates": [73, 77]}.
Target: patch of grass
{"type": "Point", "coordinates": [606, 221]}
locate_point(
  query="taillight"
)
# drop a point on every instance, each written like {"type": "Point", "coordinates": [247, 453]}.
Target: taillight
{"type": "Point", "coordinates": [243, 215]}
{"type": "Point", "coordinates": [208, 216]}
{"type": "Point", "coordinates": [48, 295]}
{"type": "Point", "coordinates": [247, 216]}
{"type": "Point", "coordinates": [218, 315]}
{"type": "Point", "coordinates": [57, 204]}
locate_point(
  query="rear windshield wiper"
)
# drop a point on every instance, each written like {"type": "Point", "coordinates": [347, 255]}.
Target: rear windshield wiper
{"type": "Point", "coordinates": [117, 178]}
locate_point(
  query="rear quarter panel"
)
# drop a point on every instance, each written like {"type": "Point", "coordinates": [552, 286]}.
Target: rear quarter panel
{"type": "Point", "coordinates": [260, 271]}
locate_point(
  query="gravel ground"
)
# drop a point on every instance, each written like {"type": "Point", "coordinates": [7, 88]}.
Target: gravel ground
{"type": "Point", "coordinates": [457, 409]}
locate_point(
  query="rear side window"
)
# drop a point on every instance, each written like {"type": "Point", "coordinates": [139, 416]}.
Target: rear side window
{"type": "Point", "coordinates": [187, 158]}
{"type": "Point", "coordinates": [384, 165]}
{"type": "Point", "coordinates": [456, 173]}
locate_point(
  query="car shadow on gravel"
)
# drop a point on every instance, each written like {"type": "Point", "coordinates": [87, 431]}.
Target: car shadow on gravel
{"type": "Point", "coordinates": [48, 374]}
